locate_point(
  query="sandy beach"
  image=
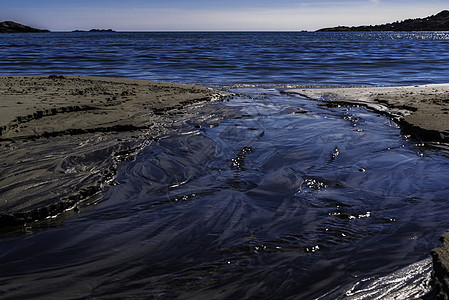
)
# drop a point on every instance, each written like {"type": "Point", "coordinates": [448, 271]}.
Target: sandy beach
{"type": "Point", "coordinates": [62, 136]}
{"type": "Point", "coordinates": [421, 110]}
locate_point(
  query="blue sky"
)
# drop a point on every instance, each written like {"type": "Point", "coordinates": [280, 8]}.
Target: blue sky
{"type": "Point", "coordinates": [179, 15]}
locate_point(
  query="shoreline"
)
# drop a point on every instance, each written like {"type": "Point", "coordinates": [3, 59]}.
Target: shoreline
{"type": "Point", "coordinates": [421, 110]}
{"type": "Point", "coordinates": [57, 128]}
{"type": "Point", "coordinates": [61, 137]}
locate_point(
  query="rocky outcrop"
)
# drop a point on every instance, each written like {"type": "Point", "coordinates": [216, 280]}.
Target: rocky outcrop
{"type": "Point", "coordinates": [440, 274]}
{"type": "Point", "coordinates": [438, 22]}
{"type": "Point", "coordinates": [13, 27]}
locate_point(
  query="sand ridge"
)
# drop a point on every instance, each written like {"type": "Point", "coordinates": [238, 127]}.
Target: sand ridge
{"type": "Point", "coordinates": [423, 110]}
{"type": "Point", "coordinates": [31, 106]}
{"type": "Point", "coordinates": [61, 137]}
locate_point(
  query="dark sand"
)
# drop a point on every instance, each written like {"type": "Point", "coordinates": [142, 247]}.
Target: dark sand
{"type": "Point", "coordinates": [62, 136]}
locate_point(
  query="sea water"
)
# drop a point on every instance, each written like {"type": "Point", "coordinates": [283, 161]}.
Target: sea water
{"type": "Point", "coordinates": [287, 199]}
{"type": "Point", "coordinates": [225, 58]}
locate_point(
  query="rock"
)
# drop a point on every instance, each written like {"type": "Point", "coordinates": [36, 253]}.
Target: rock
{"type": "Point", "coordinates": [440, 274]}
{"type": "Point", "coordinates": [13, 27]}
{"type": "Point", "coordinates": [438, 22]}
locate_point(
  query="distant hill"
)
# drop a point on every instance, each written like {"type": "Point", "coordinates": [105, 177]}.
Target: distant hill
{"type": "Point", "coordinates": [438, 22]}
{"type": "Point", "coordinates": [13, 27]}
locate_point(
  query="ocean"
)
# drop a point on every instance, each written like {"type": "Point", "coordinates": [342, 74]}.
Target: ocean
{"type": "Point", "coordinates": [289, 198]}
{"type": "Point", "coordinates": [226, 58]}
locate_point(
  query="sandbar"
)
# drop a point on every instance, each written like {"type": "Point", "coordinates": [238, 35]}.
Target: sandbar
{"type": "Point", "coordinates": [422, 110]}
{"type": "Point", "coordinates": [61, 137]}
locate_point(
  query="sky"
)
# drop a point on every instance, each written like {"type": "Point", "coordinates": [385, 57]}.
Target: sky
{"type": "Point", "coordinates": [212, 15]}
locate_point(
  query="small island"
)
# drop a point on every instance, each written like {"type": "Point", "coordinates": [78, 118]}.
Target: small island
{"type": "Point", "coordinates": [13, 27]}
{"type": "Point", "coordinates": [95, 30]}
{"type": "Point", "coordinates": [438, 22]}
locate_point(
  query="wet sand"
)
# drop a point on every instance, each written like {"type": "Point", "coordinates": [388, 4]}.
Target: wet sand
{"type": "Point", "coordinates": [61, 137]}
{"type": "Point", "coordinates": [421, 110]}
